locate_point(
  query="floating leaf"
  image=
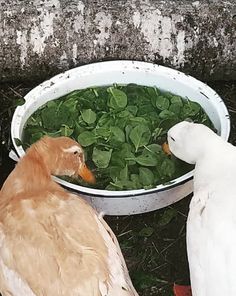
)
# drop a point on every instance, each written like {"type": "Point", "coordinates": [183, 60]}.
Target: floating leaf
{"type": "Point", "coordinates": [146, 176]}
{"type": "Point", "coordinates": [101, 158]}
{"type": "Point", "coordinates": [162, 103]}
{"type": "Point", "coordinates": [124, 173]}
{"type": "Point", "coordinates": [190, 109]}
{"type": "Point", "coordinates": [66, 131]}
{"type": "Point", "coordinates": [103, 132]}
{"type": "Point", "coordinates": [118, 99]}
{"type": "Point", "coordinates": [147, 159]}
{"type": "Point", "coordinates": [88, 116]}
{"type": "Point", "coordinates": [167, 167]}
{"type": "Point", "coordinates": [117, 134]}
{"type": "Point", "coordinates": [132, 109]}
{"type": "Point", "coordinates": [86, 138]}
{"type": "Point", "coordinates": [140, 136]}
{"type": "Point", "coordinates": [167, 114]}
{"type": "Point", "coordinates": [121, 128]}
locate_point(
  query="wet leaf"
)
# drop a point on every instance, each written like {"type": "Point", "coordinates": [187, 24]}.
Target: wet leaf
{"type": "Point", "coordinates": [121, 128]}
{"type": "Point", "coordinates": [140, 136]}
{"type": "Point", "coordinates": [101, 158]}
{"type": "Point", "coordinates": [86, 138]}
{"type": "Point", "coordinates": [118, 99]}
{"type": "Point", "coordinates": [162, 103]}
{"type": "Point", "coordinates": [146, 176]}
{"type": "Point", "coordinates": [88, 116]}
{"type": "Point", "coordinates": [66, 131]}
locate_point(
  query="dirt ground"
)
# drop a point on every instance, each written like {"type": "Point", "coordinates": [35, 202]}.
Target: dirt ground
{"type": "Point", "coordinates": [153, 244]}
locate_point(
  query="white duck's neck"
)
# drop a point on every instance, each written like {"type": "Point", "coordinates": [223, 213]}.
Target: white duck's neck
{"type": "Point", "coordinates": [217, 165]}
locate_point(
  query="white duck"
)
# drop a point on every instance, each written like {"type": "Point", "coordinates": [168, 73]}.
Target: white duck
{"type": "Point", "coordinates": [211, 224]}
{"type": "Point", "coordinates": [52, 243]}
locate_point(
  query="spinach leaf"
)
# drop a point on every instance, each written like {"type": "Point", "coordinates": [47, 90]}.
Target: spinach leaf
{"type": "Point", "coordinates": [190, 109]}
{"type": "Point", "coordinates": [162, 103]}
{"type": "Point", "coordinates": [121, 128]}
{"type": "Point", "coordinates": [146, 176]}
{"type": "Point", "coordinates": [117, 135]}
{"type": "Point", "coordinates": [105, 120]}
{"type": "Point", "coordinates": [132, 109]}
{"type": "Point", "coordinates": [88, 116]}
{"type": "Point", "coordinates": [118, 99]}
{"type": "Point", "coordinates": [147, 159]}
{"type": "Point", "coordinates": [140, 136]}
{"type": "Point", "coordinates": [86, 138]}
{"type": "Point", "coordinates": [124, 173]}
{"type": "Point", "coordinates": [66, 130]}
{"type": "Point", "coordinates": [101, 158]}
{"type": "Point", "coordinates": [103, 132]}
{"type": "Point", "coordinates": [167, 168]}
{"type": "Point", "coordinates": [166, 114]}
{"type": "Point", "coordinates": [136, 180]}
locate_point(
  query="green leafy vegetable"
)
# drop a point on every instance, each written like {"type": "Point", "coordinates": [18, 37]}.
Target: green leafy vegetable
{"type": "Point", "coordinates": [88, 116]}
{"type": "Point", "coordinates": [162, 103]}
{"type": "Point", "coordinates": [101, 158]}
{"type": "Point", "coordinates": [66, 130]}
{"type": "Point", "coordinates": [117, 135]}
{"type": "Point", "coordinates": [86, 138]}
{"type": "Point", "coordinates": [140, 136]}
{"type": "Point", "coordinates": [146, 176]}
{"type": "Point", "coordinates": [118, 98]}
{"type": "Point", "coordinates": [121, 129]}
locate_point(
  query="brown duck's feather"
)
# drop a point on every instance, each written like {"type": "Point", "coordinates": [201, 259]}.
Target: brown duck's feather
{"type": "Point", "coordinates": [52, 242]}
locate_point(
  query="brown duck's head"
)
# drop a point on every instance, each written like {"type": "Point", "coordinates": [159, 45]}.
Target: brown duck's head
{"type": "Point", "coordinates": [64, 156]}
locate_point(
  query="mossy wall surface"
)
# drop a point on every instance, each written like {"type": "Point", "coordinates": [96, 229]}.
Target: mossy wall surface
{"type": "Point", "coordinates": [41, 38]}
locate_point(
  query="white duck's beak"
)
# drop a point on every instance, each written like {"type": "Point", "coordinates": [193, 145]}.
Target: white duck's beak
{"type": "Point", "coordinates": [166, 149]}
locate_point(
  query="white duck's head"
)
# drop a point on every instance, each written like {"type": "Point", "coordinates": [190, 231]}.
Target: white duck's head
{"type": "Point", "coordinates": [188, 140]}
{"type": "Point", "coordinates": [63, 156]}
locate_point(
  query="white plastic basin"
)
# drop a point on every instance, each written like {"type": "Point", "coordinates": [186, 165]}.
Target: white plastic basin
{"type": "Point", "coordinates": [105, 73]}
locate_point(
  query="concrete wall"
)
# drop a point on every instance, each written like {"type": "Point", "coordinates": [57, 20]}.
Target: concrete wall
{"type": "Point", "coordinates": [41, 38]}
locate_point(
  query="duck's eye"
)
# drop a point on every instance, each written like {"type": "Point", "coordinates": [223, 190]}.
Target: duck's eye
{"type": "Point", "coordinates": [172, 139]}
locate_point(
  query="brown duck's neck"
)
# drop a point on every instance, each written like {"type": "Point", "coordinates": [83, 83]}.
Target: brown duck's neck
{"type": "Point", "coordinates": [30, 175]}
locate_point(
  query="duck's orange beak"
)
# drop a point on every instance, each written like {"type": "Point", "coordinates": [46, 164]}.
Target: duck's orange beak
{"type": "Point", "coordinates": [166, 148]}
{"type": "Point", "coordinates": [86, 174]}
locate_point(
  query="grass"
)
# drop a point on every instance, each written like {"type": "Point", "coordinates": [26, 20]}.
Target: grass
{"type": "Point", "coordinates": [153, 244]}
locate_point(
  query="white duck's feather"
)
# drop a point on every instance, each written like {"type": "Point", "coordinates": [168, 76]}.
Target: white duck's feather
{"type": "Point", "coordinates": [211, 224]}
